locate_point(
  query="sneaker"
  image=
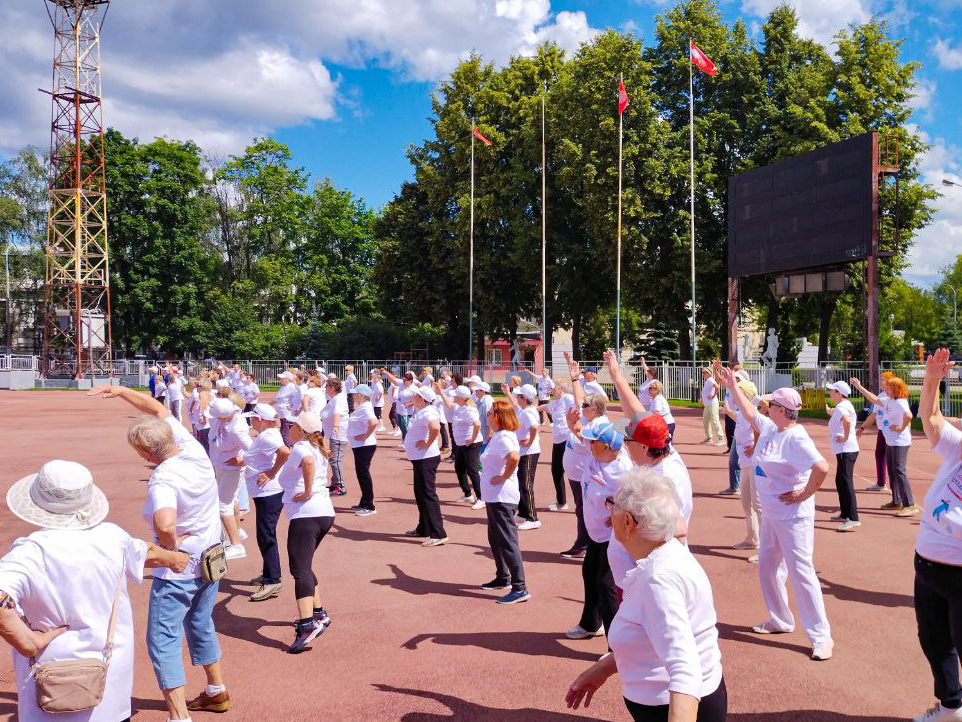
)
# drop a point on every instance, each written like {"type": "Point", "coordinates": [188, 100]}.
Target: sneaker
{"type": "Point", "coordinates": [449, 459]}
{"type": "Point", "coordinates": [416, 534]}
{"type": "Point", "coordinates": [435, 542]}
{"type": "Point", "coordinates": [258, 581]}
{"type": "Point", "coordinates": [396, 432]}
{"type": "Point", "coordinates": [838, 517]}
{"type": "Point", "coordinates": [719, 443]}
{"type": "Point", "coordinates": [938, 713]}
{"type": "Point", "coordinates": [366, 512]}
{"type": "Point", "coordinates": [891, 505]}
{"type": "Point", "coordinates": [339, 491]}
{"type": "Point", "coordinates": [496, 584]}
{"type": "Point", "coordinates": [908, 510]}
{"type": "Point", "coordinates": [822, 651]}
{"type": "Point", "coordinates": [323, 617]}
{"type": "Point", "coordinates": [874, 487]}
{"type": "Point", "coordinates": [478, 504]}
{"type": "Point", "coordinates": [849, 525]}
{"type": "Point", "coordinates": [355, 507]}
{"type": "Point", "coordinates": [462, 499]}
{"type": "Point", "coordinates": [241, 534]}
{"type": "Point", "coordinates": [235, 551]}
{"type": "Point", "coordinates": [753, 559]}
{"type": "Point", "coordinates": [744, 545]}
{"type": "Point", "coordinates": [579, 632]}
{"type": "Point", "coordinates": [267, 591]}
{"type": "Point", "coordinates": [206, 703]}
{"type": "Point", "coordinates": [574, 553]}
{"type": "Point", "coordinates": [305, 634]}
{"type": "Point", "coordinates": [728, 492]}
{"type": "Point", "coordinates": [768, 627]}
{"type": "Point", "coordinates": [525, 525]}
{"type": "Point", "coordinates": [521, 595]}
{"type": "Point", "coordinates": [379, 429]}
{"type": "Point", "coordinates": [557, 507]}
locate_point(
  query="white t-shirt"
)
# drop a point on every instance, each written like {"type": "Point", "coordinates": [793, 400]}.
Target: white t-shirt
{"type": "Point", "coordinates": [229, 440]}
{"type": "Point", "coordinates": [601, 481]}
{"type": "Point", "coordinates": [418, 431]}
{"type": "Point", "coordinates": [291, 480]}
{"type": "Point", "coordinates": [545, 386]}
{"type": "Point", "coordinates": [835, 428]}
{"type": "Point", "coordinates": [592, 387]}
{"type": "Point", "coordinates": [285, 401]}
{"type": "Point", "coordinates": [464, 418]}
{"type": "Point", "coordinates": [744, 438]}
{"type": "Point", "coordinates": [405, 399]}
{"type": "Point", "coordinates": [160, 388]}
{"type": "Point", "coordinates": [335, 405]}
{"type": "Point", "coordinates": [68, 577]}
{"type": "Point", "coordinates": [350, 383]}
{"type": "Point", "coordinates": [527, 420]}
{"type": "Point", "coordinates": [186, 484]}
{"type": "Point", "coordinates": [260, 457]}
{"type": "Point", "coordinates": [784, 463]}
{"type": "Point", "coordinates": [357, 424]}
{"type": "Point", "coordinates": [940, 527]}
{"type": "Point", "coordinates": [559, 408]}
{"type": "Point", "coordinates": [893, 415]}
{"type": "Point", "coordinates": [644, 393]}
{"type": "Point", "coordinates": [577, 454]}
{"type": "Point", "coordinates": [193, 402]}
{"type": "Point", "coordinates": [485, 402]}
{"type": "Point", "coordinates": [377, 394]}
{"type": "Point", "coordinates": [659, 405]}
{"type": "Point", "coordinates": [446, 413]}
{"type": "Point", "coordinates": [879, 408]}
{"type": "Point", "coordinates": [251, 392]}
{"type": "Point", "coordinates": [493, 458]}
{"type": "Point", "coordinates": [664, 636]}
{"type": "Point", "coordinates": [709, 392]}
{"type": "Point", "coordinates": [175, 389]}
{"type": "Point", "coordinates": [314, 400]}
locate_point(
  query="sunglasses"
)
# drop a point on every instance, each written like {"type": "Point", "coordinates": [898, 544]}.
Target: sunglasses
{"type": "Point", "coordinates": [586, 406]}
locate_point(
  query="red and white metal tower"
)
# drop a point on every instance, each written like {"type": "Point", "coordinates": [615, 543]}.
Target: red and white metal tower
{"type": "Point", "coordinates": [76, 340]}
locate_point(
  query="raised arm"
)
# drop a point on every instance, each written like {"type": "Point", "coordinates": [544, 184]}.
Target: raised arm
{"type": "Point", "coordinates": [629, 402]}
{"type": "Point", "coordinates": [576, 388]}
{"type": "Point", "coordinates": [937, 367]}
{"type": "Point", "coordinates": [448, 403]}
{"type": "Point", "coordinates": [869, 396]}
{"type": "Point", "coordinates": [746, 407]}
{"type": "Point", "coordinates": [141, 402]}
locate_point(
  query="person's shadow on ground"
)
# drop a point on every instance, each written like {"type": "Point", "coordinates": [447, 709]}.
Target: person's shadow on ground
{"type": "Point", "coordinates": [464, 710]}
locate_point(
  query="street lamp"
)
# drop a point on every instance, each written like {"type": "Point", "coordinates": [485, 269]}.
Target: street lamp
{"type": "Point", "coordinates": [947, 182]}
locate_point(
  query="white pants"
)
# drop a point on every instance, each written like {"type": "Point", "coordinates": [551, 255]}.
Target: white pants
{"type": "Point", "coordinates": [228, 480]}
{"type": "Point", "coordinates": [785, 549]}
{"type": "Point", "coordinates": [751, 504]}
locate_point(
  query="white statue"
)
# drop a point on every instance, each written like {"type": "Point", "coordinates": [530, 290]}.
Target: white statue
{"type": "Point", "coordinates": [515, 352]}
{"type": "Point", "coordinates": [771, 350]}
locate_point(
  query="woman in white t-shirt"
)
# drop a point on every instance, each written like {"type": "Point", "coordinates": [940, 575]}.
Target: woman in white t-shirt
{"type": "Point", "coordinates": [664, 639]}
{"type": "Point", "coordinates": [229, 438]}
{"type": "Point", "coordinates": [709, 409]}
{"type": "Point", "coordinates": [361, 426]}
{"type": "Point", "coordinates": [334, 416]}
{"type": "Point", "coordinates": [175, 393]}
{"type": "Point", "coordinates": [938, 549]}
{"type": "Point", "coordinates": [500, 493]}
{"type": "Point", "coordinates": [545, 386]}
{"type": "Point", "coordinates": [308, 508]}
{"type": "Point", "coordinates": [528, 427]}
{"type": "Point", "coordinates": [287, 402]}
{"type": "Point", "coordinates": [466, 438]}
{"type": "Point", "coordinates": [644, 389]}
{"type": "Point", "coordinates": [557, 411]}
{"type": "Point", "coordinates": [421, 447]}
{"type": "Point", "coordinates": [875, 417]}
{"type": "Point", "coordinates": [377, 398]}
{"type": "Point", "coordinates": [262, 463]}
{"type": "Point", "coordinates": [896, 426]}
{"type": "Point", "coordinates": [844, 444]}
{"type": "Point", "coordinates": [789, 470]}
{"type": "Point", "coordinates": [350, 383]}
{"type": "Point", "coordinates": [659, 405]}
{"type": "Point", "coordinates": [160, 389]}
{"type": "Point", "coordinates": [404, 392]}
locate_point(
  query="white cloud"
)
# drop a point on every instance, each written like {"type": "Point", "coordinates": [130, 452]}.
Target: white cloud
{"type": "Point", "coordinates": [924, 94]}
{"type": "Point", "coordinates": [818, 20]}
{"type": "Point", "coordinates": [949, 58]}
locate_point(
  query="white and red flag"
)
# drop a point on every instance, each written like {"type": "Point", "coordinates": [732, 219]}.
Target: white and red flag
{"type": "Point", "coordinates": [622, 98]}
{"type": "Point", "coordinates": [479, 136]}
{"type": "Point", "coordinates": [701, 61]}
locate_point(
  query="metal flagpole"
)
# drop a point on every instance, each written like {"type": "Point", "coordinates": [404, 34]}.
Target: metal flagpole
{"type": "Point", "coordinates": [691, 149]}
{"type": "Point", "coordinates": [471, 258]}
{"type": "Point", "coordinates": [544, 245]}
{"type": "Point", "coordinates": [618, 254]}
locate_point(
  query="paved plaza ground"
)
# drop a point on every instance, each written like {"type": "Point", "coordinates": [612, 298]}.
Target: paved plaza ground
{"type": "Point", "coordinates": [414, 638]}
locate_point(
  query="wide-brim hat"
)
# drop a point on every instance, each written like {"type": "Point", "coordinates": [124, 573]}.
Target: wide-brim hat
{"type": "Point", "coordinates": [62, 495]}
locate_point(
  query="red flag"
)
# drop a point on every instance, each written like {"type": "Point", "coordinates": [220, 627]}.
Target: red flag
{"type": "Point", "coordinates": [701, 60]}
{"type": "Point", "coordinates": [477, 134]}
{"type": "Point", "coordinates": [622, 98]}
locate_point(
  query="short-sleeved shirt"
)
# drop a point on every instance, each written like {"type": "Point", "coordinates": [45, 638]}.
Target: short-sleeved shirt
{"type": "Point", "coordinates": [260, 457]}
{"type": "Point", "coordinates": [284, 401]}
{"type": "Point", "coordinates": [464, 417]}
{"type": "Point", "coordinates": [528, 420]}
{"type": "Point", "coordinates": [893, 415]}
{"type": "Point", "coordinates": [493, 460]}
{"type": "Point", "coordinates": [545, 386]}
{"type": "Point", "coordinates": [227, 441]}
{"type": "Point", "coordinates": [291, 479]}
{"type": "Point", "coordinates": [659, 405]}
{"type": "Point", "coordinates": [358, 423]}
{"type": "Point", "coordinates": [559, 408]}
{"type": "Point", "coordinates": [940, 528]}
{"type": "Point", "coordinates": [644, 393]}
{"type": "Point", "coordinates": [844, 410]}
{"type": "Point", "coordinates": [418, 430]}
{"type": "Point", "coordinates": [335, 405]}
{"type": "Point", "coordinates": [592, 387]}
{"type": "Point", "coordinates": [600, 481]}
{"type": "Point", "coordinates": [350, 383]}
{"type": "Point", "coordinates": [377, 394]}
{"type": "Point", "coordinates": [709, 392]}
{"type": "Point", "coordinates": [783, 463]}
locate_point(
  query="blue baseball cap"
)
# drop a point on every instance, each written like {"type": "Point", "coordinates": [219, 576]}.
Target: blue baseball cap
{"type": "Point", "coordinates": [363, 389]}
{"type": "Point", "coordinates": [591, 369]}
{"type": "Point", "coordinates": [606, 434]}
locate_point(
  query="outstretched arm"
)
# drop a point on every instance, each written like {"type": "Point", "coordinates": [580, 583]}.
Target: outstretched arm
{"type": "Point", "coordinates": [869, 396]}
{"type": "Point", "coordinates": [141, 402]}
{"type": "Point", "coordinates": [744, 405]}
{"type": "Point", "coordinates": [576, 388]}
{"type": "Point", "coordinates": [937, 367]}
{"type": "Point", "coordinates": [629, 402]}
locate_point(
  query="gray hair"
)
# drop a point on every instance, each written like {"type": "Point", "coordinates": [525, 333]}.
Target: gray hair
{"type": "Point", "coordinates": [652, 500]}
{"type": "Point", "coordinates": [599, 401]}
{"type": "Point", "coordinates": [151, 435]}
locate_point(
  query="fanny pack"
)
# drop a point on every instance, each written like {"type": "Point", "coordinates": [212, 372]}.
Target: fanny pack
{"type": "Point", "coordinates": [213, 563]}
{"type": "Point", "coordinates": [75, 685]}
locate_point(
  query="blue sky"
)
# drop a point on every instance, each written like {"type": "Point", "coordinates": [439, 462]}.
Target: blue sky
{"type": "Point", "coordinates": [345, 84]}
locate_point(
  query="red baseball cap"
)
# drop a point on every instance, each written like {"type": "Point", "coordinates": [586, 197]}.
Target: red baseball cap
{"type": "Point", "coordinates": [648, 429]}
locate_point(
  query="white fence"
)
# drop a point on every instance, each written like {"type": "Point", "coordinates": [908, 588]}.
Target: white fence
{"type": "Point", "coordinates": [10, 362]}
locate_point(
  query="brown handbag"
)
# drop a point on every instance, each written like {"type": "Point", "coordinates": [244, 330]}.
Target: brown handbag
{"type": "Point", "coordinates": [74, 685]}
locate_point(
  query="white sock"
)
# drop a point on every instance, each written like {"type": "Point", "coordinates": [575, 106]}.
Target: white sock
{"type": "Point", "coordinates": [215, 689]}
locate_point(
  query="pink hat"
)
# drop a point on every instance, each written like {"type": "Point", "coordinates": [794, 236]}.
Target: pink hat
{"type": "Point", "coordinates": [786, 397]}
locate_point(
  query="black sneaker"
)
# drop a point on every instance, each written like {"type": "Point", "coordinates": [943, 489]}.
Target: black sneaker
{"type": "Point", "coordinates": [323, 617]}
{"type": "Point", "coordinates": [574, 553]}
{"type": "Point", "coordinates": [306, 634]}
{"type": "Point", "coordinates": [496, 584]}
{"type": "Point", "coordinates": [416, 534]}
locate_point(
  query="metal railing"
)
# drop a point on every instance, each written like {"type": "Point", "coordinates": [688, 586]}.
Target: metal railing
{"type": "Point", "coordinates": [11, 362]}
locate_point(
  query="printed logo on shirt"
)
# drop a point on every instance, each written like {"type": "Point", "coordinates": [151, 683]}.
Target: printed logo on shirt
{"type": "Point", "coordinates": [759, 472]}
{"type": "Point", "coordinates": [938, 511]}
{"type": "Point", "coordinates": [954, 486]}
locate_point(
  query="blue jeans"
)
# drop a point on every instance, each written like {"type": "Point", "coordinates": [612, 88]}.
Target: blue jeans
{"type": "Point", "coordinates": [734, 471]}
{"type": "Point", "coordinates": [179, 607]}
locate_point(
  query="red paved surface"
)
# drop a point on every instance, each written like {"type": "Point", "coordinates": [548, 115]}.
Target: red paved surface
{"type": "Point", "coordinates": [414, 638]}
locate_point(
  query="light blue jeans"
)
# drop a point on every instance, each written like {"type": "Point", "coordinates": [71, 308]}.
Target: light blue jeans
{"type": "Point", "coordinates": [734, 470]}
{"type": "Point", "coordinates": [180, 607]}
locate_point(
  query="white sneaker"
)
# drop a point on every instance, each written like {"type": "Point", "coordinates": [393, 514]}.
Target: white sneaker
{"type": "Point", "coordinates": [235, 551]}
{"type": "Point", "coordinates": [241, 534]}
{"type": "Point", "coordinates": [466, 497]}
{"type": "Point", "coordinates": [478, 504]}
{"type": "Point", "coordinates": [938, 713]}
{"type": "Point", "coordinates": [525, 525]}
{"type": "Point", "coordinates": [396, 432]}
{"type": "Point", "coordinates": [380, 428]}
{"type": "Point", "coordinates": [768, 627]}
{"type": "Point", "coordinates": [849, 525]}
{"type": "Point", "coordinates": [555, 507]}
{"type": "Point", "coordinates": [579, 632]}
{"type": "Point", "coordinates": [823, 651]}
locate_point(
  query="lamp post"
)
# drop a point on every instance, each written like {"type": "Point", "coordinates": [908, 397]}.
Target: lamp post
{"type": "Point", "coordinates": [947, 182]}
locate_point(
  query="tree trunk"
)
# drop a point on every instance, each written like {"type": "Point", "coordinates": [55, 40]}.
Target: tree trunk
{"type": "Point", "coordinates": [827, 308]}
{"type": "Point", "coordinates": [576, 338]}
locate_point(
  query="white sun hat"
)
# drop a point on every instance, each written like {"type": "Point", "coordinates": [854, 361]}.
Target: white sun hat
{"type": "Point", "coordinates": [62, 495]}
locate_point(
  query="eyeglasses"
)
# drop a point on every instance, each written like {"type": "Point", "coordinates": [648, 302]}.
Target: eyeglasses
{"type": "Point", "coordinates": [586, 406]}
{"type": "Point", "coordinates": [609, 503]}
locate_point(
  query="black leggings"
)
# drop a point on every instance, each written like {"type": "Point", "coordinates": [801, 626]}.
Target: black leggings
{"type": "Point", "coordinates": [430, 523]}
{"type": "Point", "coordinates": [558, 472]}
{"type": "Point", "coordinates": [466, 467]}
{"type": "Point", "coordinates": [362, 467]}
{"type": "Point", "coordinates": [303, 537]}
{"type": "Point", "coordinates": [938, 613]}
{"type": "Point", "coordinates": [445, 439]}
{"type": "Point", "coordinates": [268, 511]}
{"type": "Point", "coordinates": [526, 471]}
{"type": "Point", "coordinates": [845, 484]}
{"type": "Point", "coordinates": [713, 708]}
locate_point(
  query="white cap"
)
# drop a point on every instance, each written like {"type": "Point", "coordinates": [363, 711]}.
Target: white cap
{"type": "Point", "coordinates": [222, 408]}
{"type": "Point", "coordinates": [462, 392]}
{"type": "Point", "coordinates": [475, 379]}
{"type": "Point", "coordinates": [482, 386]}
{"type": "Point", "coordinates": [528, 391]}
{"type": "Point", "coordinates": [286, 375]}
{"type": "Point", "coordinates": [843, 388]}
{"type": "Point", "coordinates": [426, 393]}
{"type": "Point", "coordinates": [743, 375]}
{"type": "Point", "coordinates": [223, 384]}
{"type": "Point", "coordinates": [310, 423]}
{"type": "Point", "coordinates": [265, 412]}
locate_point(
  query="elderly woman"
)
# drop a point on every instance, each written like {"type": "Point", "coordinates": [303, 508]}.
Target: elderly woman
{"type": "Point", "coordinates": [664, 640]}
{"type": "Point", "coordinates": [229, 439]}
{"type": "Point", "coordinates": [644, 389]}
{"type": "Point", "coordinates": [350, 383]}
{"type": "Point", "coordinates": [528, 437]}
{"type": "Point", "coordinates": [659, 405]}
{"type": "Point", "coordinates": [788, 473]}
{"type": "Point", "coordinates": [334, 416]}
{"type": "Point", "coordinates": [182, 510]}
{"type": "Point", "coordinates": [421, 446]}
{"type": "Point", "coordinates": [484, 402]}
{"type": "Point", "coordinates": [875, 417]}
{"type": "Point", "coordinates": [709, 409]}
{"type": "Point", "coordinates": [500, 493]}
{"type": "Point", "coordinates": [938, 551]}
{"type": "Point", "coordinates": [844, 444]}
{"type": "Point", "coordinates": [287, 402]}
{"type": "Point", "coordinates": [361, 426]}
{"type": "Point", "coordinates": [404, 389]}
{"type": "Point", "coordinates": [466, 433]}
{"type": "Point", "coordinates": [557, 411]}
{"type": "Point", "coordinates": [43, 573]}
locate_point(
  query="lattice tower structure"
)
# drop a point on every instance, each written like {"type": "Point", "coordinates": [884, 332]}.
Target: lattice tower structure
{"type": "Point", "coordinates": [77, 337]}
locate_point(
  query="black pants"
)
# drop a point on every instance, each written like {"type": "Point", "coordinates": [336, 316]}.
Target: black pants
{"type": "Point", "coordinates": [896, 461]}
{"type": "Point", "coordinates": [601, 598]}
{"type": "Point", "coordinates": [845, 484]}
{"type": "Point", "coordinates": [362, 466]}
{"type": "Point", "coordinates": [445, 439]}
{"type": "Point", "coordinates": [285, 431]}
{"type": "Point", "coordinates": [558, 472]}
{"type": "Point", "coordinates": [247, 409]}
{"type": "Point", "coordinates": [729, 431]}
{"type": "Point", "coordinates": [303, 538]}
{"type": "Point", "coordinates": [526, 472]}
{"type": "Point", "coordinates": [938, 613]}
{"type": "Point", "coordinates": [350, 403]}
{"type": "Point", "coordinates": [392, 417]}
{"type": "Point", "coordinates": [713, 708]}
{"type": "Point", "coordinates": [203, 436]}
{"type": "Point", "coordinates": [503, 538]}
{"type": "Point", "coordinates": [576, 493]}
{"type": "Point", "coordinates": [466, 467]}
{"type": "Point", "coordinates": [268, 511]}
{"type": "Point", "coordinates": [377, 412]}
{"type": "Point", "coordinates": [430, 523]}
